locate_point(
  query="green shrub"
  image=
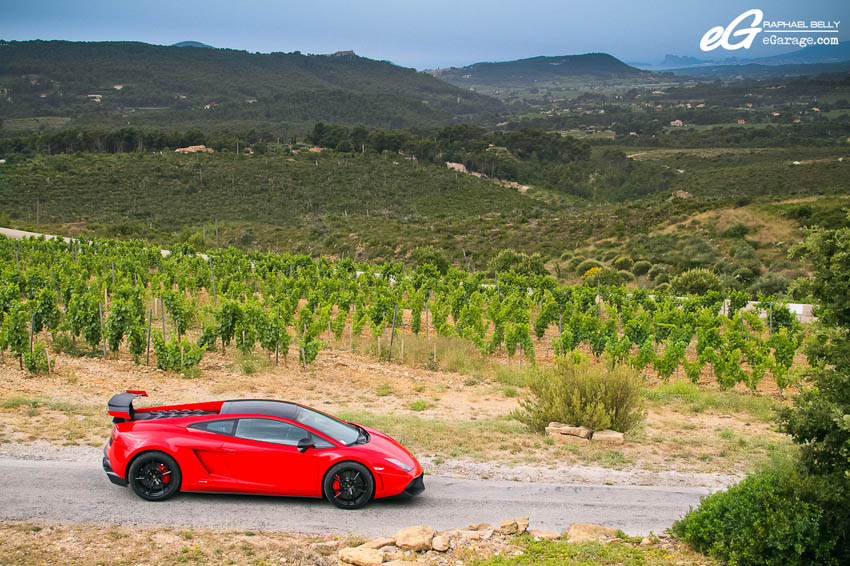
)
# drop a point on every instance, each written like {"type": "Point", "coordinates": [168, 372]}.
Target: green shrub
{"type": "Point", "coordinates": [737, 231]}
{"type": "Point", "coordinates": [36, 362]}
{"type": "Point", "coordinates": [770, 284]}
{"type": "Point", "coordinates": [587, 265]}
{"type": "Point", "coordinates": [763, 521]}
{"type": "Point", "coordinates": [566, 256]}
{"type": "Point", "coordinates": [582, 394]}
{"type": "Point", "coordinates": [625, 276]}
{"type": "Point", "coordinates": [573, 264]}
{"type": "Point", "coordinates": [609, 255]}
{"type": "Point", "coordinates": [655, 271]}
{"type": "Point", "coordinates": [431, 255]}
{"type": "Point", "coordinates": [598, 276]}
{"type": "Point", "coordinates": [662, 287]}
{"type": "Point", "coordinates": [623, 263]}
{"type": "Point", "coordinates": [519, 262]}
{"type": "Point", "coordinates": [696, 281]}
{"type": "Point", "coordinates": [641, 267]}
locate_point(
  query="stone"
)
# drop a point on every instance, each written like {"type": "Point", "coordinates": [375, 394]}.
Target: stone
{"type": "Point", "coordinates": [580, 431]}
{"type": "Point", "coordinates": [480, 526]}
{"type": "Point", "coordinates": [360, 556]}
{"type": "Point", "coordinates": [507, 527]}
{"type": "Point", "coordinates": [567, 438]}
{"type": "Point", "coordinates": [440, 543]}
{"type": "Point", "coordinates": [543, 535]}
{"type": "Point", "coordinates": [377, 542]}
{"type": "Point", "coordinates": [469, 535]}
{"type": "Point", "coordinates": [608, 437]}
{"type": "Point", "coordinates": [414, 538]}
{"type": "Point", "coordinates": [645, 542]}
{"type": "Point", "coordinates": [521, 525]}
{"type": "Point", "coordinates": [392, 553]}
{"type": "Point", "coordinates": [582, 532]}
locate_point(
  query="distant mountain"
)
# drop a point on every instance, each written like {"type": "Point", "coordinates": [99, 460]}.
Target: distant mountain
{"type": "Point", "coordinates": [816, 54]}
{"type": "Point", "coordinates": [813, 54]}
{"type": "Point", "coordinates": [192, 44]}
{"type": "Point", "coordinates": [526, 72]}
{"type": "Point", "coordinates": [113, 83]}
{"type": "Point", "coordinates": [755, 71]}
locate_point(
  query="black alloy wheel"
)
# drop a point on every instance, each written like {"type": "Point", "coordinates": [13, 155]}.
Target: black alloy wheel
{"type": "Point", "coordinates": [349, 485]}
{"type": "Point", "coordinates": [154, 476]}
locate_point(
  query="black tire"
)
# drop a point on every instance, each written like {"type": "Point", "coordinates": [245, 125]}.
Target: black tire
{"type": "Point", "coordinates": [349, 485]}
{"type": "Point", "coordinates": [154, 476]}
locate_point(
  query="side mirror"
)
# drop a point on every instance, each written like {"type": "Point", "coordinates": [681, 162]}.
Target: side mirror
{"type": "Point", "coordinates": [305, 443]}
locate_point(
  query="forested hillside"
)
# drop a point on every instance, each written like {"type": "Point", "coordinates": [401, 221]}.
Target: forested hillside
{"type": "Point", "coordinates": [114, 83]}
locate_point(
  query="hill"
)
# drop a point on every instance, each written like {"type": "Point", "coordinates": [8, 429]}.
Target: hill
{"type": "Point", "coordinates": [112, 83]}
{"type": "Point", "coordinates": [527, 72]}
{"type": "Point", "coordinates": [192, 44]}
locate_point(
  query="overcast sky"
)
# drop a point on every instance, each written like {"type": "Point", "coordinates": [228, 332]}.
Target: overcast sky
{"type": "Point", "coordinates": [437, 33]}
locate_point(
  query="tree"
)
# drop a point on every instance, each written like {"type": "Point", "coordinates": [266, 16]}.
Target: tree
{"type": "Point", "coordinates": [697, 281]}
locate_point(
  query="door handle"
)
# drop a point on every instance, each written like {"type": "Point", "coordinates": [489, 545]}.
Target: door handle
{"type": "Point", "coordinates": [228, 450]}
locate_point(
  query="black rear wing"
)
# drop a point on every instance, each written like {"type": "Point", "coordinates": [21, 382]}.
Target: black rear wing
{"type": "Point", "coordinates": [120, 406]}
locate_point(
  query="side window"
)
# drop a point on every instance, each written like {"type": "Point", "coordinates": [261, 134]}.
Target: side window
{"type": "Point", "coordinates": [219, 427]}
{"type": "Point", "coordinates": [268, 430]}
{"type": "Point", "coordinates": [319, 442]}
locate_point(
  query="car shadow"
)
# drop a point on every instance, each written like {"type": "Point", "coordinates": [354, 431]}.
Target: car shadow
{"type": "Point", "coordinates": [260, 499]}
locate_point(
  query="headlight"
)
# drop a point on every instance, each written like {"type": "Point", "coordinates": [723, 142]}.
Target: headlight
{"type": "Point", "coordinates": [400, 464]}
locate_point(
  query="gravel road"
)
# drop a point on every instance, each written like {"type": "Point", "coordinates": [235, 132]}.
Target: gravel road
{"type": "Point", "coordinates": [78, 491]}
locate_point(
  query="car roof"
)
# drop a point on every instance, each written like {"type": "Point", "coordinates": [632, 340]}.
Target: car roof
{"type": "Point", "coordinates": [266, 407]}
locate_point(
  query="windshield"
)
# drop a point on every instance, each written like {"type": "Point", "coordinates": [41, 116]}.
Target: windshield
{"type": "Point", "coordinates": [329, 426]}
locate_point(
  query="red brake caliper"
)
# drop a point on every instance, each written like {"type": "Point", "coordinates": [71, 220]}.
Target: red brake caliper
{"type": "Point", "coordinates": [164, 473]}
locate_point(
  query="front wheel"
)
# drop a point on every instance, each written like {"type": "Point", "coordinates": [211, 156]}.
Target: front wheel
{"type": "Point", "coordinates": [349, 485]}
{"type": "Point", "coordinates": [154, 476]}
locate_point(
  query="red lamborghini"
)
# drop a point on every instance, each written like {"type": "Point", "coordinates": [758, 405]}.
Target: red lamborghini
{"type": "Point", "coordinates": [253, 446]}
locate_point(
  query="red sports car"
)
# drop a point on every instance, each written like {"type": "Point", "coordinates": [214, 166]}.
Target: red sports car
{"type": "Point", "coordinates": [253, 446]}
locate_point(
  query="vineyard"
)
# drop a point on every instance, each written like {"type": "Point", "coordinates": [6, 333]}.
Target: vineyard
{"type": "Point", "coordinates": [168, 309]}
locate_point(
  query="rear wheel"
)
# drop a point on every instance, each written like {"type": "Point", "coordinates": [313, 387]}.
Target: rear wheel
{"type": "Point", "coordinates": [154, 476]}
{"type": "Point", "coordinates": [349, 485]}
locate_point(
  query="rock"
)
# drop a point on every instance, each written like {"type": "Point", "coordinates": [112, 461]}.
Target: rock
{"type": "Point", "coordinates": [507, 527]}
{"type": "Point", "coordinates": [414, 538]}
{"type": "Point", "coordinates": [567, 438]}
{"type": "Point", "coordinates": [480, 526]}
{"type": "Point", "coordinates": [580, 431]}
{"type": "Point", "coordinates": [521, 525]}
{"type": "Point", "coordinates": [440, 543]}
{"type": "Point", "coordinates": [469, 535]}
{"type": "Point", "coordinates": [608, 437]}
{"type": "Point", "coordinates": [645, 542]}
{"type": "Point", "coordinates": [580, 532]}
{"type": "Point", "coordinates": [361, 556]}
{"type": "Point", "coordinates": [543, 535]}
{"type": "Point", "coordinates": [377, 542]}
{"type": "Point", "coordinates": [392, 553]}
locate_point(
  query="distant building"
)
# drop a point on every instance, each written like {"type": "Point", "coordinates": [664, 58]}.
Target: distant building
{"type": "Point", "coordinates": [456, 166]}
{"type": "Point", "coordinates": [118, 87]}
{"type": "Point", "coordinates": [95, 97]}
{"type": "Point", "coordinates": [194, 149]}
{"type": "Point", "coordinates": [677, 123]}
{"type": "Point", "coordinates": [742, 121]}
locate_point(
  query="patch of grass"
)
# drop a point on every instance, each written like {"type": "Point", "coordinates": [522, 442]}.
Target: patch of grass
{"type": "Point", "coordinates": [472, 439]}
{"type": "Point", "coordinates": [509, 391]}
{"type": "Point", "coordinates": [698, 400]}
{"type": "Point", "coordinates": [418, 405]}
{"type": "Point", "coordinates": [249, 364]}
{"type": "Point", "coordinates": [383, 390]}
{"type": "Point", "coordinates": [561, 553]}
